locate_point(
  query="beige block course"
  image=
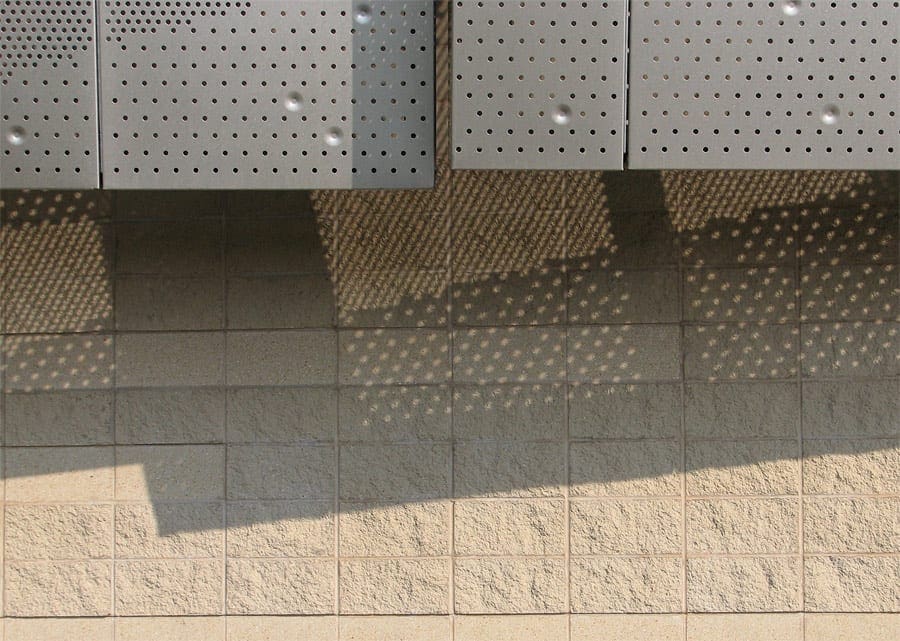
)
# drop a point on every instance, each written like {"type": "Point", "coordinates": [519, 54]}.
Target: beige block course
{"type": "Point", "coordinates": [627, 627]}
{"type": "Point", "coordinates": [395, 413]}
{"type": "Point", "coordinates": [745, 627]}
{"type": "Point", "coordinates": [395, 628]}
{"type": "Point", "coordinates": [852, 627]}
{"type": "Point", "coordinates": [149, 303]}
{"type": "Point", "coordinates": [625, 526]}
{"type": "Point", "coordinates": [509, 412]}
{"type": "Point", "coordinates": [741, 351]}
{"type": "Point", "coordinates": [852, 583]}
{"type": "Point", "coordinates": [858, 466]}
{"type": "Point", "coordinates": [642, 410]}
{"type": "Point", "coordinates": [154, 416]}
{"type": "Point", "coordinates": [742, 410]}
{"type": "Point", "coordinates": [170, 472]}
{"type": "Point", "coordinates": [851, 525]}
{"type": "Point", "coordinates": [282, 628]}
{"type": "Point", "coordinates": [395, 529]}
{"type": "Point", "coordinates": [393, 472]}
{"type": "Point", "coordinates": [394, 356]}
{"type": "Point", "coordinates": [509, 527]}
{"type": "Point", "coordinates": [282, 415]}
{"type": "Point", "coordinates": [743, 526]}
{"type": "Point", "coordinates": [280, 528]}
{"type": "Point", "coordinates": [508, 469]}
{"type": "Point", "coordinates": [625, 584]}
{"type": "Point", "coordinates": [388, 586]}
{"type": "Point", "coordinates": [623, 296]}
{"type": "Point", "coordinates": [510, 585]}
{"type": "Point", "coordinates": [743, 467]}
{"type": "Point", "coordinates": [58, 588]}
{"type": "Point", "coordinates": [59, 629]}
{"type": "Point", "coordinates": [509, 355]}
{"type": "Point", "coordinates": [617, 353]}
{"type": "Point", "coordinates": [282, 357]}
{"type": "Point", "coordinates": [58, 531]}
{"type": "Point", "coordinates": [169, 530]}
{"type": "Point", "coordinates": [625, 468]}
{"type": "Point", "coordinates": [170, 359]}
{"type": "Point", "coordinates": [171, 587]}
{"type": "Point", "coordinates": [170, 628]}
{"type": "Point", "coordinates": [72, 417]}
{"type": "Point", "coordinates": [271, 302]}
{"type": "Point", "coordinates": [841, 409]}
{"type": "Point", "coordinates": [511, 627]}
{"type": "Point", "coordinates": [743, 584]}
{"type": "Point", "coordinates": [281, 472]}
{"type": "Point", "coordinates": [59, 474]}
{"type": "Point", "coordinates": [280, 586]}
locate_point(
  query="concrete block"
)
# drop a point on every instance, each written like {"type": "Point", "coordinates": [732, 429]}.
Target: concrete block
{"type": "Point", "coordinates": [59, 418]}
{"type": "Point", "coordinates": [395, 529]}
{"type": "Point", "coordinates": [170, 472]}
{"type": "Point", "coordinates": [509, 355]}
{"type": "Point", "coordinates": [743, 526]}
{"type": "Point", "coordinates": [851, 408]}
{"type": "Point", "coordinates": [282, 415]}
{"type": "Point", "coordinates": [395, 413]}
{"type": "Point", "coordinates": [509, 412]}
{"type": "Point", "coordinates": [624, 296]}
{"type": "Point", "coordinates": [176, 247]}
{"type": "Point", "coordinates": [743, 584]}
{"type": "Point", "coordinates": [282, 358]}
{"type": "Point", "coordinates": [170, 304]}
{"type": "Point", "coordinates": [510, 585]}
{"type": "Point", "coordinates": [391, 356]}
{"type": "Point", "coordinates": [851, 583]}
{"type": "Point", "coordinates": [170, 587]}
{"type": "Point", "coordinates": [625, 584]}
{"type": "Point", "coordinates": [281, 528]}
{"type": "Point", "coordinates": [508, 469]}
{"type": "Point", "coordinates": [58, 588]}
{"type": "Point", "coordinates": [617, 353]}
{"type": "Point", "coordinates": [625, 468]}
{"type": "Point", "coordinates": [742, 410]}
{"type": "Point", "coordinates": [387, 586]}
{"type": "Point", "coordinates": [281, 472]}
{"type": "Point", "coordinates": [741, 351]}
{"type": "Point", "coordinates": [59, 474]}
{"type": "Point", "coordinates": [273, 302]}
{"type": "Point", "coordinates": [535, 297]}
{"type": "Point", "coordinates": [170, 359]}
{"type": "Point", "coordinates": [510, 527]}
{"type": "Point", "coordinates": [169, 530]}
{"type": "Point", "coordinates": [58, 532]}
{"type": "Point", "coordinates": [170, 415]}
{"type": "Point", "coordinates": [280, 586]}
{"type": "Point", "coordinates": [857, 466]}
{"type": "Point", "coordinates": [625, 411]}
{"type": "Point", "coordinates": [625, 526]}
{"type": "Point", "coordinates": [743, 467]}
{"type": "Point", "coordinates": [741, 294]}
{"type": "Point", "coordinates": [842, 525]}
{"type": "Point", "coordinates": [394, 472]}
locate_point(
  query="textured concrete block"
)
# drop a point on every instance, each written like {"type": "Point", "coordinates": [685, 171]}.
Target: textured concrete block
{"type": "Point", "coordinates": [625, 584]}
{"type": "Point", "coordinates": [625, 526]}
{"type": "Point", "coordinates": [280, 528]}
{"type": "Point", "coordinates": [535, 297]}
{"type": "Point", "coordinates": [154, 303]}
{"type": "Point", "coordinates": [280, 586]}
{"type": "Point", "coordinates": [624, 296]}
{"type": "Point", "coordinates": [510, 585]}
{"type": "Point", "coordinates": [396, 628]}
{"type": "Point", "coordinates": [509, 355]}
{"type": "Point", "coordinates": [281, 472]}
{"type": "Point", "coordinates": [369, 298]}
{"type": "Point", "coordinates": [169, 530]}
{"type": "Point", "coordinates": [743, 584]}
{"type": "Point", "coordinates": [256, 204]}
{"type": "Point", "coordinates": [58, 532]}
{"type": "Point", "coordinates": [173, 587]}
{"type": "Point", "coordinates": [282, 415]}
{"type": "Point", "coordinates": [59, 418]}
{"type": "Point", "coordinates": [743, 526]}
{"type": "Point", "coordinates": [272, 302]}
{"type": "Point", "coordinates": [395, 413]}
{"type": "Point", "coordinates": [394, 472]}
{"type": "Point", "coordinates": [625, 411]}
{"type": "Point", "coordinates": [49, 474]}
{"type": "Point", "coordinates": [852, 583]}
{"type": "Point", "coordinates": [614, 353]}
{"type": "Point", "coordinates": [742, 410]}
{"type": "Point", "coordinates": [178, 247]}
{"type": "Point", "coordinates": [741, 351]}
{"type": "Point", "coordinates": [148, 204]}
{"type": "Point", "coordinates": [508, 469]}
{"type": "Point", "coordinates": [510, 527]}
{"type": "Point", "coordinates": [58, 589]}
{"type": "Point", "coordinates": [50, 362]}
{"type": "Point", "coordinates": [170, 360]}
{"type": "Point", "coordinates": [390, 356]}
{"type": "Point", "coordinates": [625, 468]}
{"type": "Point", "coordinates": [744, 294]}
{"type": "Point", "coordinates": [856, 466]}
{"type": "Point", "coordinates": [277, 628]}
{"type": "Point", "coordinates": [275, 246]}
{"type": "Point", "coordinates": [509, 412]}
{"type": "Point", "coordinates": [847, 234]}
{"type": "Point", "coordinates": [385, 586]}
{"type": "Point", "coordinates": [57, 300]}
{"type": "Point", "coordinates": [59, 629]}
{"type": "Point", "coordinates": [281, 358]}
{"type": "Point", "coordinates": [851, 408]}
{"type": "Point", "coordinates": [169, 628]}
{"type": "Point", "coordinates": [851, 627]}
{"type": "Point", "coordinates": [766, 238]}
{"type": "Point", "coordinates": [742, 467]}
{"type": "Point", "coordinates": [402, 529]}
{"type": "Point", "coordinates": [745, 627]}
{"type": "Point", "coordinates": [629, 240]}
{"type": "Point", "coordinates": [850, 349]}
{"type": "Point", "coordinates": [850, 292]}
{"type": "Point", "coordinates": [153, 416]}
{"type": "Point", "coordinates": [511, 627]}
{"type": "Point", "coordinates": [170, 472]}
{"type": "Point", "coordinates": [627, 627]}
{"type": "Point", "coordinates": [844, 525]}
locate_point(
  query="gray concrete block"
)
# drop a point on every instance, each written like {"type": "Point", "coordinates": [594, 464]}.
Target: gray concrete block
{"type": "Point", "coordinates": [281, 472]}
{"type": "Point", "coordinates": [615, 353]}
{"type": "Point", "coordinates": [509, 412]}
{"type": "Point", "coordinates": [625, 411]}
{"type": "Point", "coordinates": [59, 418]}
{"type": "Point", "coordinates": [395, 413]}
{"type": "Point", "coordinates": [191, 415]}
{"type": "Point", "coordinates": [153, 303]}
{"type": "Point", "coordinates": [272, 302]}
{"type": "Point", "coordinates": [170, 359]}
{"type": "Point", "coordinates": [742, 410]}
{"type": "Point", "coordinates": [282, 358]}
{"type": "Point", "coordinates": [282, 415]}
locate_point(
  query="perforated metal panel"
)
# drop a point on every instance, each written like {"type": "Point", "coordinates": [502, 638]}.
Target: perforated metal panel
{"type": "Point", "coordinates": [48, 94]}
{"type": "Point", "coordinates": [764, 84]}
{"type": "Point", "coordinates": [267, 93]}
{"type": "Point", "coordinates": [539, 84]}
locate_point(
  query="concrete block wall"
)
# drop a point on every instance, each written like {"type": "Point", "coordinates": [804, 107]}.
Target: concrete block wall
{"type": "Point", "coordinates": [632, 418]}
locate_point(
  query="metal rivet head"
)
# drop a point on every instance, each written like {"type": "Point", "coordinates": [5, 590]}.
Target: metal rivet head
{"type": "Point", "coordinates": [791, 7]}
{"type": "Point", "coordinates": [16, 136]}
{"type": "Point", "coordinates": [362, 14]}
{"type": "Point", "coordinates": [334, 137]}
{"type": "Point", "coordinates": [293, 102]}
{"type": "Point", "coordinates": [561, 115]}
{"type": "Point", "coordinates": [830, 114]}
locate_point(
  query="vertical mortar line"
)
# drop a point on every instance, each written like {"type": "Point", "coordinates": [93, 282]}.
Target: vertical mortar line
{"type": "Point", "coordinates": [683, 445]}
{"type": "Point", "coordinates": [114, 270]}
{"type": "Point", "coordinates": [798, 298]}
{"type": "Point", "coordinates": [5, 472]}
{"type": "Point", "coordinates": [335, 310]}
{"type": "Point", "coordinates": [224, 209]}
{"type": "Point", "coordinates": [565, 386]}
{"type": "Point", "coordinates": [450, 209]}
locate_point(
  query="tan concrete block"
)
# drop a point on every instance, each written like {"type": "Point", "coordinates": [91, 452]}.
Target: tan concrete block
{"type": "Point", "coordinates": [282, 628]}
{"type": "Point", "coordinates": [849, 292]}
{"type": "Point", "coordinates": [143, 204]}
{"type": "Point", "coordinates": [624, 296]}
{"type": "Point", "coordinates": [281, 472]}
{"type": "Point", "coordinates": [59, 418]}
{"type": "Point", "coordinates": [170, 628]}
{"type": "Point", "coordinates": [852, 583]}
{"type": "Point", "coordinates": [743, 584]}
{"type": "Point", "coordinates": [58, 589]}
{"type": "Point", "coordinates": [742, 410]}
{"type": "Point", "coordinates": [53, 362]}
{"type": "Point", "coordinates": [58, 300]}
{"type": "Point", "coordinates": [863, 466]}
{"type": "Point", "coordinates": [170, 359]}
{"type": "Point", "coordinates": [280, 528]}
{"type": "Point", "coordinates": [275, 246]}
{"type": "Point", "coordinates": [510, 585]}
{"type": "Point", "coordinates": [743, 526]}
{"type": "Point", "coordinates": [173, 587]}
{"type": "Point", "coordinates": [155, 416]}
{"type": "Point", "coordinates": [510, 527]}
{"type": "Point", "coordinates": [391, 356]}
{"type": "Point", "coordinates": [169, 530]}
{"type": "Point", "coordinates": [617, 353]}
{"type": "Point", "coordinates": [80, 629]}
{"type": "Point", "coordinates": [509, 355]}
{"type": "Point", "coordinates": [180, 247]}
{"type": "Point", "coordinates": [399, 628]}
{"type": "Point", "coordinates": [625, 584]}
{"type": "Point", "coordinates": [395, 586]}
{"type": "Point", "coordinates": [508, 469]}
{"type": "Point", "coordinates": [393, 472]}
{"type": "Point", "coordinates": [627, 627]}
{"type": "Point", "coordinates": [625, 526]}
{"type": "Point", "coordinates": [625, 468]}
{"type": "Point", "coordinates": [631, 411]}
{"type": "Point", "coordinates": [511, 627]}
{"type": "Point", "coordinates": [404, 298]}
{"type": "Point", "coordinates": [743, 467]}
{"type": "Point", "coordinates": [852, 524]}
{"type": "Point", "coordinates": [282, 357]}
{"type": "Point", "coordinates": [395, 413]}
{"type": "Point", "coordinates": [853, 349]}
{"type": "Point", "coordinates": [534, 297]}
{"type": "Point", "coordinates": [154, 303]}
{"type": "Point", "coordinates": [58, 531]}
{"type": "Point", "coordinates": [395, 529]}
{"type": "Point", "coordinates": [741, 351]}
{"type": "Point", "coordinates": [45, 475]}
{"type": "Point", "coordinates": [745, 627]}
{"type": "Point", "coordinates": [282, 415]}
{"type": "Point", "coordinates": [852, 627]}
{"type": "Point", "coordinates": [851, 409]}
{"type": "Point", "coordinates": [764, 239]}
{"type": "Point", "coordinates": [170, 472]}
{"type": "Point", "coordinates": [272, 302]}
{"type": "Point", "coordinates": [740, 294]}
{"type": "Point", "coordinates": [509, 412]}
{"type": "Point", "coordinates": [280, 586]}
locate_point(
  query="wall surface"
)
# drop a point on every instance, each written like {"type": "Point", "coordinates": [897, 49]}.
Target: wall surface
{"type": "Point", "coordinates": [624, 407]}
